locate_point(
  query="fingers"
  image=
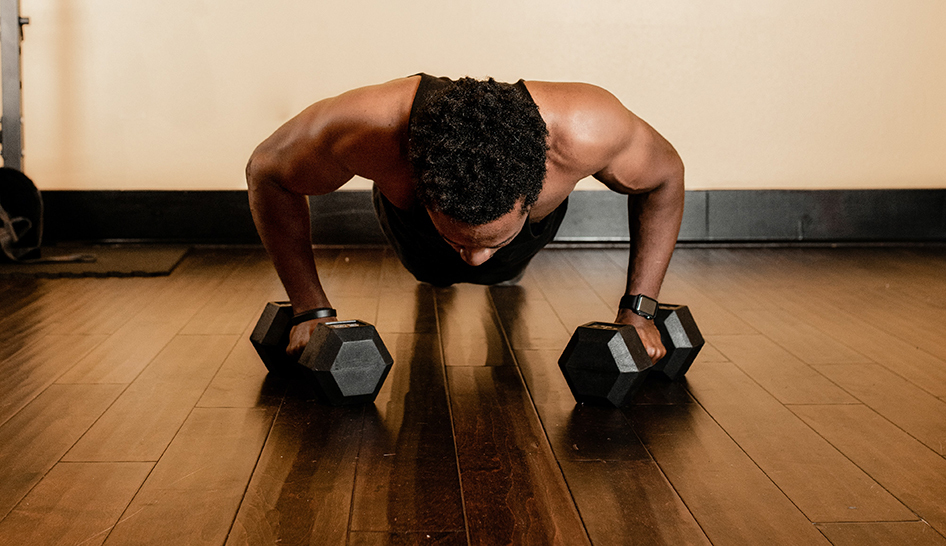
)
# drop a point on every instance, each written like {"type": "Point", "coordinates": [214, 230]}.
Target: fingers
{"type": "Point", "coordinates": [299, 337]}
{"type": "Point", "coordinates": [656, 352]}
{"type": "Point", "coordinates": [300, 334]}
{"type": "Point", "coordinates": [651, 339]}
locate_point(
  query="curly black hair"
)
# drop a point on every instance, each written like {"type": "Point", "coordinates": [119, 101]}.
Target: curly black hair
{"type": "Point", "coordinates": [477, 148]}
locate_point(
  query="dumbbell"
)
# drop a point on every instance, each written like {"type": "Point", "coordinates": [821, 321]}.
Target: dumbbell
{"type": "Point", "coordinates": [605, 363]}
{"type": "Point", "coordinates": [344, 362]}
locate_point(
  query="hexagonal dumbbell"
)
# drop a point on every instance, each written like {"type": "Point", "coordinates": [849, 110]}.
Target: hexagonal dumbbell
{"type": "Point", "coordinates": [270, 337]}
{"type": "Point", "coordinates": [604, 363]}
{"type": "Point", "coordinates": [680, 336]}
{"type": "Point", "coordinates": [348, 360]}
{"type": "Point", "coordinates": [343, 363]}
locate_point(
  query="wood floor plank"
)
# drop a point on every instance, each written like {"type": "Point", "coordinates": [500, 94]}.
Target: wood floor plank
{"type": "Point", "coordinates": [17, 292]}
{"type": "Point", "coordinates": [576, 432]}
{"type": "Point", "coordinates": [238, 299]}
{"type": "Point", "coordinates": [788, 379]}
{"type": "Point", "coordinates": [122, 355]}
{"type": "Point", "coordinates": [630, 502]}
{"type": "Point", "coordinates": [39, 316]}
{"type": "Point", "coordinates": [76, 503]}
{"type": "Point", "coordinates": [243, 381]}
{"type": "Point", "coordinates": [711, 316]}
{"type": "Point", "coordinates": [144, 420]}
{"type": "Point", "coordinates": [528, 319]}
{"type": "Point", "coordinates": [34, 439]}
{"type": "Point", "coordinates": [355, 272]}
{"type": "Point", "coordinates": [787, 318]}
{"type": "Point", "coordinates": [116, 301]}
{"type": "Point", "coordinates": [411, 311]}
{"type": "Point", "coordinates": [74, 305]}
{"type": "Point", "coordinates": [301, 490]}
{"type": "Point", "coordinates": [189, 287]}
{"type": "Point", "coordinates": [193, 493]}
{"type": "Point", "coordinates": [819, 480]}
{"type": "Point", "coordinates": [553, 269]}
{"type": "Point", "coordinates": [513, 489]}
{"type": "Point", "coordinates": [394, 276]}
{"type": "Point", "coordinates": [469, 328]}
{"type": "Point", "coordinates": [29, 371]}
{"type": "Point", "coordinates": [918, 413]}
{"type": "Point", "coordinates": [709, 353]}
{"type": "Point", "coordinates": [899, 356]}
{"type": "Point", "coordinates": [916, 533]}
{"type": "Point", "coordinates": [912, 472]}
{"type": "Point", "coordinates": [407, 476]}
{"type": "Point", "coordinates": [796, 335]}
{"type": "Point", "coordinates": [580, 306]}
{"type": "Point", "coordinates": [406, 539]}
{"type": "Point", "coordinates": [923, 330]}
{"type": "Point", "coordinates": [173, 301]}
{"type": "Point", "coordinates": [600, 270]}
{"type": "Point", "coordinates": [733, 501]}
{"type": "Point", "coordinates": [721, 276]}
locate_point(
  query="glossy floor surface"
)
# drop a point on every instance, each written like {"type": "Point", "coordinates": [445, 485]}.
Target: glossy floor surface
{"type": "Point", "coordinates": [135, 411]}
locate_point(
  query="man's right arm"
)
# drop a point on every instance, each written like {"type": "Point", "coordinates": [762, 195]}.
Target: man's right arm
{"type": "Point", "coordinates": [294, 162]}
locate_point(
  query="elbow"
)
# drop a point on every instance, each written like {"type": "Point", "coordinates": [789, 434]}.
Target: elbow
{"type": "Point", "coordinates": [675, 174]}
{"type": "Point", "coordinates": [677, 169]}
{"type": "Point", "coordinates": [252, 171]}
{"type": "Point", "coordinates": [258, 170]}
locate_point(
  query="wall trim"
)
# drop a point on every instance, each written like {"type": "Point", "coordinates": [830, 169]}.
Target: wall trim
{"type": "Point", "coordinates": [594, 217]}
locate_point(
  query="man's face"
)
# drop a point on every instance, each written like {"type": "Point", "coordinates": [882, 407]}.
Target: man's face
{"type": "Point", "coordinates": [478, 243]}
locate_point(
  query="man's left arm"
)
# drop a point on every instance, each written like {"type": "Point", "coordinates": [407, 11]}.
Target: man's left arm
{"type": "Point", "coordinates": [649, 170]}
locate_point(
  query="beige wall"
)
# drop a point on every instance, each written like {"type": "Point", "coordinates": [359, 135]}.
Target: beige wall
{"type": "Point", "coordinates": [754, 93]}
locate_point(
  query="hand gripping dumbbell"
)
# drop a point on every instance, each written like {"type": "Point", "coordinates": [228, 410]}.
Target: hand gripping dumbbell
{"type": "Point", "coordinates": [605, 363]}
{"type": "Point", "coordinates": [343, 362]}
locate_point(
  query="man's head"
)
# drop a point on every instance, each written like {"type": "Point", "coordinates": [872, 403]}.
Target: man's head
{"type": "Point", "coordinates": [478, 150]}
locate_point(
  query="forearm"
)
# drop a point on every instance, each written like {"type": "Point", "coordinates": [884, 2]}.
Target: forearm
{"type": "Point", "coordinates": [654, 224]}
{"type": "Point", "coordinates": [282, 220]}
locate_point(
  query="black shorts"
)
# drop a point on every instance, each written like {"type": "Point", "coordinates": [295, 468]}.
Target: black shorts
{"type": "Point", "coordinates": [430, 259]}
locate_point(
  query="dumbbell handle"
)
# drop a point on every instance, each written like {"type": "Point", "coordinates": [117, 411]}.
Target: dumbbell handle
{"type": "Point", "coordinates": [344, 324]}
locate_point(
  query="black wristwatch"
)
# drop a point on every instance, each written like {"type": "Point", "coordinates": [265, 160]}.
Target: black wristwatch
{"type": "Point", "coordinates": [640, 304]}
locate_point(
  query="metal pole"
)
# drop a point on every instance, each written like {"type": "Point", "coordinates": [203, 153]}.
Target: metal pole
{"type": "Point", "coordinates": [11, 135]}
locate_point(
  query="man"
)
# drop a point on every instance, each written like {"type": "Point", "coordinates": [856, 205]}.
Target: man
{"type": "Point", "coordinates": [471, 180]}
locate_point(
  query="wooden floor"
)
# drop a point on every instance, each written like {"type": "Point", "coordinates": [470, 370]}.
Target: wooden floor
{"type": "Point", "coordinates": [135, 411]}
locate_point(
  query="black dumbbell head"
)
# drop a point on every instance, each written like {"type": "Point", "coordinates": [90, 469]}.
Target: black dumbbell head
{"type": "Point", "coordinates": [270, 337]}
{"type": "Point", "coordinates": [347, 361]}
{"type": "Point", "coordinates": [681, 338]}
{"type": "Point", "coordinates": [604, 363]}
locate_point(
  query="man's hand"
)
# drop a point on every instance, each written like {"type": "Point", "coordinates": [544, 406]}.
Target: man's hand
{"type": "Point", "coordinates": [300, 334]}
{"type": "Point", "coordinates": [647, 332]}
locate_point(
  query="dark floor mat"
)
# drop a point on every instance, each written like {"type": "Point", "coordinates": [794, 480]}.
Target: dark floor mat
{"type": "Point", "coordinates": [110, 261]}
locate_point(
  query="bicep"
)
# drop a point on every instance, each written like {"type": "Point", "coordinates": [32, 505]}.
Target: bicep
{"type": "Point", "coordinates": [641, 159]}
{"type": "Point", "coordinates": [300, 155]}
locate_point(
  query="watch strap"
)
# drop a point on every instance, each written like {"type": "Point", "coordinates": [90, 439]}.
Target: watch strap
{"type": "Point", "coordinates": [640, 304]}
{"type": "Point", "coordinates": [312, 314]}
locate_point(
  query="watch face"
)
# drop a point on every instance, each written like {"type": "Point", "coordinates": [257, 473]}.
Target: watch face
{"type": "Point", "coordinates": [647, 306]}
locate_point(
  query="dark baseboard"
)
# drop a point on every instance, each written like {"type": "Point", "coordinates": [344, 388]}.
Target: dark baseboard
{"type": "Point", "coordinates": [148, 216]}
{"type": "Point", "coordinates": [341, 218]}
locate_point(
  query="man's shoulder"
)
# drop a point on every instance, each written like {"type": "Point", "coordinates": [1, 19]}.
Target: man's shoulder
{"type": "Point", "coordinates": [385, 104]}
{"type": "Point", "coordinates": [565, 97]}
{"type": "Point", "coordinates": [587, 123]}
